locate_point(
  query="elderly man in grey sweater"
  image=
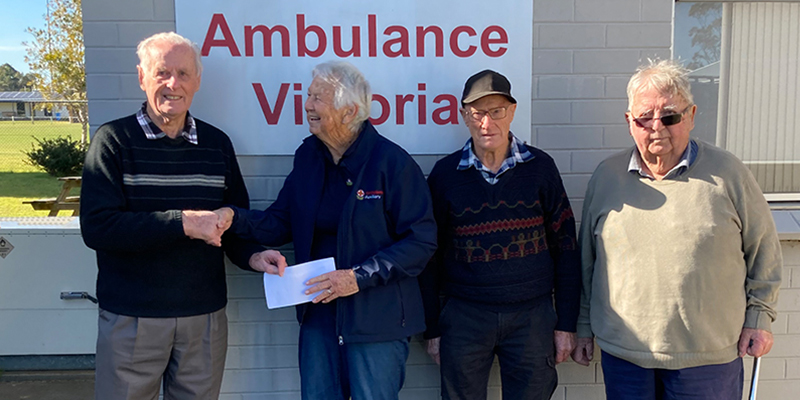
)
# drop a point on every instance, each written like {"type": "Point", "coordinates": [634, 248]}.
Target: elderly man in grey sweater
{"type": "Point", "coordinates": [681, 259]}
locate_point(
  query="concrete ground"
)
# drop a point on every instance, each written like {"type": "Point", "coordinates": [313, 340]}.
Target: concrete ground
{"type": "Point", "coordinates": [47, 385]}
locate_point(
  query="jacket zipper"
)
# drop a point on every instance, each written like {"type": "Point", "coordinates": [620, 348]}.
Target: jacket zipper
{"type": "Point", "coordinates": [402, 306]}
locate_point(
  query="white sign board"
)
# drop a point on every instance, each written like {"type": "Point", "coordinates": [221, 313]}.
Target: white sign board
{"type": "Point", "coordinates": [258, 56]}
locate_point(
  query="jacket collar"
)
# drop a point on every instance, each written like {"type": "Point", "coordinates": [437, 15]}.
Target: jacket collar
{"type": "Point", "coordinates": [357, 154]}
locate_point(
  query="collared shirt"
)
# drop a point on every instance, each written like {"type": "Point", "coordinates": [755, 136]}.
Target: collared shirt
{"type": "Point", "coordinates": [153, 132]}
{"type": "Point", "coordinates": [517, 152]}
{"type": "Point", "coordinates": [686, 161]}
{"type": "Point", "coordinates": [336, 187]}
{"type": "Point", "coordinates": [352, 159]}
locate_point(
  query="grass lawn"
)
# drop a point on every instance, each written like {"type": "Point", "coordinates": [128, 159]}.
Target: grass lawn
{"type": "Point", "coordinates": [16, 187]}
{"type": "Point", "coordinates": [20, 181]}
{"type": "Point", "coordinates": [18, 136]}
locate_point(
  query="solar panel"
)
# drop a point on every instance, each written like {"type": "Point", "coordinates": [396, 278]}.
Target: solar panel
{"type": "Point", "coordinates": [21, 96]}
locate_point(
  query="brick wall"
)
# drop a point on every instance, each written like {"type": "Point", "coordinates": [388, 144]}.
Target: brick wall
{"type": "Point", "coordinates": [584, 52]}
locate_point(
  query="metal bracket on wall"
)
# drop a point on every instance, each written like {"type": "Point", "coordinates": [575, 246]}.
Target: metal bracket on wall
{"type": "Point", "coordinates": [78, 296]}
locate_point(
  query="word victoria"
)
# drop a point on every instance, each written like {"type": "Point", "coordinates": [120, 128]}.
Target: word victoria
{"type": "Point", "coordinates": [446, 114]}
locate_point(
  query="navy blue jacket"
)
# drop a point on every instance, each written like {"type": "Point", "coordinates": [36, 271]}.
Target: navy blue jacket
{"type": "Point", "coordinates": [386, 229]}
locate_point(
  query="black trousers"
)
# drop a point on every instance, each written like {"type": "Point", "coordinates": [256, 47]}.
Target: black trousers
{"type": "Point", "coordinates": [521, 339]}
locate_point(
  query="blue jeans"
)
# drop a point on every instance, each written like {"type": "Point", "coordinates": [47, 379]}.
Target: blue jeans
{"type": "Point", "coordinates": [362, 371]}
{"type": "Point", "coordinates": [522, 339]}
{"type": "Point", "coordinates": [625, 380]}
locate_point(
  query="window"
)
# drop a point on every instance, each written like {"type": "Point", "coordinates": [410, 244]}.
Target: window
{"type": "Point", "coordinates": [745, 63]}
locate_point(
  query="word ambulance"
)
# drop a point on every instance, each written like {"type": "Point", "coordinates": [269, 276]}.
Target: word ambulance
{"type": "Point", "coordinates": [493, 40]}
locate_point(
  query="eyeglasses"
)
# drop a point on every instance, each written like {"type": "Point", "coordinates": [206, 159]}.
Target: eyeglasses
{"type": "Point", "coordinates": [495, 113]}
{"type": "Point", "coordinates": [667, 120]}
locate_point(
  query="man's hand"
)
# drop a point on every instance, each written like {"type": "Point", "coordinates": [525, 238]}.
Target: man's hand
{"type": "Point", "coordinates": [339, 283]}
{"type": "Point", "coordinates": [755, 342]}
{"type": "Point", "coordinates": [225, 215]}
{"type": "Point", "coordinates": [432, 347]}
{"type": "Point", "coordinates": [584, 351]}
{"type": "Point", "coordinates": [269, 261]}
{"type": "Point", "coordinates": [203, 225]}
{"type": "Point", "coordinates": [565, 343]}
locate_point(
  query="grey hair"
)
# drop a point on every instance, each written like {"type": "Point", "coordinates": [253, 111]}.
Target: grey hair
{"type": "Point", "coordinates": [666, 76]}
{"type": "Point", "coordinates": [145, 48]}
{"type": "Point", "coordinates": [350, 88]}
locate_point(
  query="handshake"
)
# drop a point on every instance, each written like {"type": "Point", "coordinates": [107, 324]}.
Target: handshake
{"type": "Point", "coordinates": [207, 226]}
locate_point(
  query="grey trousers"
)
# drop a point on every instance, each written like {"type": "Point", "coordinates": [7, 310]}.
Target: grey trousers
{"type": "Point", "coordinates": [134, 356]}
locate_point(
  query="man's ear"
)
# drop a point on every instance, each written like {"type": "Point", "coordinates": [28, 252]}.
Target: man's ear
{"type": "Point", "coordinates": [140, 70]}
{"type": "Point", "coordinates": [692, 114]}
{"type": "Point", "coordinates": [350, 114]}
{"type": "Point", "coordinates": [512, 109]}
{"type": "Point", "coordinates": [199, 81]}
{"type": "Point", "coordinates": [629, 119]}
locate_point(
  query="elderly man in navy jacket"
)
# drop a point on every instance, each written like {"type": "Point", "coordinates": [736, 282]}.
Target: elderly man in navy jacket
{"type": "Point", "coordinates": [357, 197]}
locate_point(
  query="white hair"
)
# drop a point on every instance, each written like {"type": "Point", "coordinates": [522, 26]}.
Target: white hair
{"type": "Point", "coordinates": [350, 88]}
{"type": "Point", "coordinates": [666, 76]}
{"type": "Point", "coordinates": [146, 48]}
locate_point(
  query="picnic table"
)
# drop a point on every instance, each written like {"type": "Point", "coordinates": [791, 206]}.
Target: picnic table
{"type": "Point", "coordinates": [64, 201]}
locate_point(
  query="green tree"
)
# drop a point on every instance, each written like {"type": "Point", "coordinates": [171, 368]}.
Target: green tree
{"type": "Point", "coordinates": [12, 80]}
{"type": "Point", "coordinates": [55, 57]}
{"type": "Point", "coordinates": [707, 34]}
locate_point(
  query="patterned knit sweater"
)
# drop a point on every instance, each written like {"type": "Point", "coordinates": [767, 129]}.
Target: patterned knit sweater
{"type": "Point", "coordinates": [503, 244]}
{"type": "Point", "coordinates": [132, 195]}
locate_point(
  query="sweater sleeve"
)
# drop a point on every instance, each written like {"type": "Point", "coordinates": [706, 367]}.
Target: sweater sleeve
{"type": "Point", "coordinates": [762, 253]}
{"type": "Point", "coordinates": [408, 207]}
{"type": "Point", "coordinates": [588, 256]}
{"type": "Point", "coordinates": [559, 223]}
{"type": "Point", "coordinates": [105, 223]}
{"type": "Point", "coordinates": [430, 281]}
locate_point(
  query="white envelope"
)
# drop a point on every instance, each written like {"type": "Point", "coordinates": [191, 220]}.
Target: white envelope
{"type": "Point", "coordinates": [289, 290]}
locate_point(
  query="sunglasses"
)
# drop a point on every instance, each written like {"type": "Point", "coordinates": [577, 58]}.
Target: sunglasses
{"type": "Point", "coordinates": [667, 120]}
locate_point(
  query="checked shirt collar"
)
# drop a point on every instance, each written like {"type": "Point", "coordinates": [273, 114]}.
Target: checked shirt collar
{"type": "Point", "coordinates": [153, 132]}
{"type": "Point", "coordinates": [518, 152]}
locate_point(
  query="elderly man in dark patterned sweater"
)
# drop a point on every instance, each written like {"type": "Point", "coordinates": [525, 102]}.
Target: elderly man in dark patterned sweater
{"type": "Point", "coordinates": [508, 265]}
{"type": "Point", "coordinates": [161, 282]}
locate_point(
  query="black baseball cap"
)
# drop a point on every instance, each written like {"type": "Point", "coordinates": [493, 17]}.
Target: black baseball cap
{"type": "Point", "coordinates": [485, 83]}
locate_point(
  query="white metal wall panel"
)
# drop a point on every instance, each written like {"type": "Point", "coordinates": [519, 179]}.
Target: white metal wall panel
{"type": "Point", "coordinates": [45, 261]}
{"type": "Point", "coordinates": [763, 108]}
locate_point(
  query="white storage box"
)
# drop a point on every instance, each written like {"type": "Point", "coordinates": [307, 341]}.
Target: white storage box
{"type": "Point", "coordinates": [44, 256]}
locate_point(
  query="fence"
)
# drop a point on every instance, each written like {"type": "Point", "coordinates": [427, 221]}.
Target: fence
{"type": "Point", "coordinates": [22, 123]}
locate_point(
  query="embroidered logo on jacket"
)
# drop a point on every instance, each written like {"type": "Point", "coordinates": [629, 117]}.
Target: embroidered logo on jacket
{"type": "Point", "coordinates": [371, 195]}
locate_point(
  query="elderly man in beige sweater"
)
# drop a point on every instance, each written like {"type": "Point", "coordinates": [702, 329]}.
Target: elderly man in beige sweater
{"type": "Point", "coordinates": [681, 259]}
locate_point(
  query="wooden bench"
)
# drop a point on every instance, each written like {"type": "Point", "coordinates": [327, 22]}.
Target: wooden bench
{"type": "Point", "coordinates": [48, 204]}
{"type": "Point", "coordinates": [63, 202]}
